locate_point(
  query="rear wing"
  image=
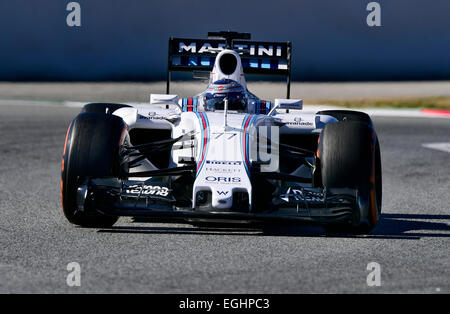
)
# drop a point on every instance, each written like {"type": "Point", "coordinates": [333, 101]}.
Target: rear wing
{"type": "Point", "coordinates": [263, 58]}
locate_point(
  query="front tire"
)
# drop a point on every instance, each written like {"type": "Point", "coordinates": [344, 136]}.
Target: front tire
{"type": "Point", "coordinates": [91, 149]}
{"type": "Point", "coordinates": [100, 107]}
{"type": "Point", "coordinates": [348, 115]}
{"type": "Point", "coordinates": [349, 156]}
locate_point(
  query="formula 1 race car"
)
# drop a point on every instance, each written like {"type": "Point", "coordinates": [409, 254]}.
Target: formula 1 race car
{"type": "Point", "coordinates": [223, 155]}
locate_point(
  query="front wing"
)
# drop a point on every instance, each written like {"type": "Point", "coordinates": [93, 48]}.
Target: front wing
{"type": "Point", "coordinates": [152, 198]}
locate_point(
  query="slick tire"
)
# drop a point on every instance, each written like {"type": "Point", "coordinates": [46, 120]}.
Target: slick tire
{"type": "Point", "coordinates": [91, 149]}
{"type": "Point", "coordinates": [106, 108]}
{"type": "Point", "coordinates": [348, 115]}
{"type": "Point", "coordinates": [349, 155]}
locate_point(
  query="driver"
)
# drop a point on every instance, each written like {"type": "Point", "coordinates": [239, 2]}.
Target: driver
{"type": "Point", "coordinates": [214, 97]}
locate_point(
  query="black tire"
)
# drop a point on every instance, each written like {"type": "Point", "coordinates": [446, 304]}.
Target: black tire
{"type": "Point", "coordinates": [348, 115]}
{"type": "Point", "coordinates": [349, 156]}
{"type": "Point", "coordinates": [99, 107]}
{"type": "Point", "coordinates": [91, 149]}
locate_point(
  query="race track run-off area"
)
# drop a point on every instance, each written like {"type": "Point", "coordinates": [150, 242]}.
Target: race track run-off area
{"type": "Point", "coordinates": [411, 242]}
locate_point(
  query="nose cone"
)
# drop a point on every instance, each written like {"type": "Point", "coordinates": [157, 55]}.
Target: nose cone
{"type": "Point", "coordinates": [223, 163]}
{"type": "Point", "coordinates": [222, 197]}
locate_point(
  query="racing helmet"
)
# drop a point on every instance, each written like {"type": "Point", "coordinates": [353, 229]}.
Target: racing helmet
{"type": "Point", "coordinates": [214, 97]}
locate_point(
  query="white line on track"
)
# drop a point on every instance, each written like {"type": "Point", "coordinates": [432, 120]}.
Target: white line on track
{"type": "Point", "coordinates": [445, 147]}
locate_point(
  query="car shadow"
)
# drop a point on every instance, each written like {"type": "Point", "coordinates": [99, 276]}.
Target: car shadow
{"type": "Point", "coordinates": [413, 226]}
{"type": "Point", "coordinates": [391, 226]}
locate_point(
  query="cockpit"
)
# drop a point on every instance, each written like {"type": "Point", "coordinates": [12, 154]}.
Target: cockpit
{"type": "Point", "coordinates": [222, 91]}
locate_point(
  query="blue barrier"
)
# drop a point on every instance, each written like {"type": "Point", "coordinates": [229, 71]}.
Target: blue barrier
{"type": "Point", "coordinates": [127, 39]}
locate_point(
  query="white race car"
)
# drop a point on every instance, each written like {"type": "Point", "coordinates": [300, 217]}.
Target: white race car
{"type": "Point", "coordinates": [223, 155]}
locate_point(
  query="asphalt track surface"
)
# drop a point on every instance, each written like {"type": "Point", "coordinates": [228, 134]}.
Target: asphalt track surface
{"type": "Point", "coordinates": [139, 92]}
{"type": "Point", "coordinates": [411, 243]}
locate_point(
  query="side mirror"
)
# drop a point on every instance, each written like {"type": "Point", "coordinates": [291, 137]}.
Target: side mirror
{"type": "Point", "coordinates": [287, 104]}
{"type": "Point", "coordinates": [164, 99]}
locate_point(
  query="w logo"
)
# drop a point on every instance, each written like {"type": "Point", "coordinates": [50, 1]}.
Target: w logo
{"type": "Point", "coordinates": [222, 192]}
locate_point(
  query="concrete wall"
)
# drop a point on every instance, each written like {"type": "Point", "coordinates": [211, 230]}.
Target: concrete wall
{"type": "Point", "coordinates": [127, 39]}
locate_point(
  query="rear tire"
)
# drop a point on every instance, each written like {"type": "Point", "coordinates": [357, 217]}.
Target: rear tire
{"type": "Point", "coordinates": [349, 157]}
{"type": "Point", "coordinates": [91, 149]}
